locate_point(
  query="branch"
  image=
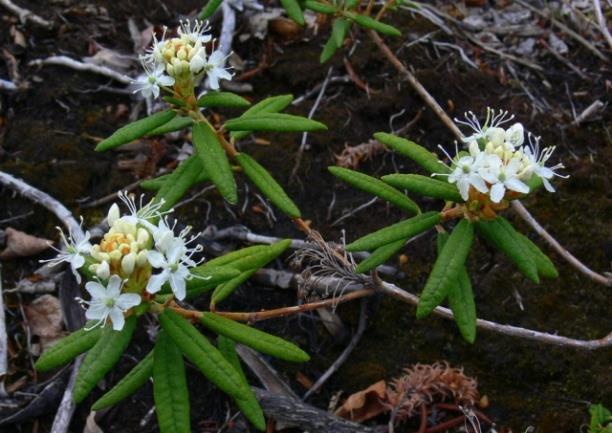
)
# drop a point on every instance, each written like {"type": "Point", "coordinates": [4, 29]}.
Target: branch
{"type": "Point", "coordinates": [25, 14]}
{"type": "Point", "coordinates": [577, 264]}
{"type": "Point", "coordinates": [81, 66]}
{"type": "Point", "coordinates": [45, 200]}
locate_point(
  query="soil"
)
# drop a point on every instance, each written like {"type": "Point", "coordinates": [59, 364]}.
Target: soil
{"type": "Point", "coordinates": [46, 138]}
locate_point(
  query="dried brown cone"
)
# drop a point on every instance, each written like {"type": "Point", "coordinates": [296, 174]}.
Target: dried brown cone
{"type": "Point", "coordinates": [424, 384]}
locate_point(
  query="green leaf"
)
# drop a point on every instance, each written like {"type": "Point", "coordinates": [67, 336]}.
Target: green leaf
{"type": "Point", "coordinates": [320, 7]}
{"type": "Point", "coordinates": [546, 268]}
{"type": "Point", "coordinates": [102, 357]}
{"type": "Point", "coordinates": [68, 348]}
{"type": "Point", "coordinates": [267, 185]}
{"type": "Point", "coordinates": [424, 185]}
{"type": "Point", "coordinates": [227, 347]}
{"type": "Point", "coordinates": [174, 101]}
{"type": "Point", "coordinates": [188, 173]}
{"type": "Point", "coordinates": [274, 122]}
{"type": "Point", "coordinates": [429, 161]}
{"type": "Point", "coordinates": [252, 337]}
{"type": "Point", "coordinates": [175, 124]}
{"type": "Point", "coordinates": [371, 23]}
{"type": "Point", "coordinates": [214, 160]}
{"type": "Point", "coordinates": [214, 276]}
{"type": "Point", "coordinates": [259, 259]}
{"type": "Point", "coordinates": [210, 9]}
{"type": "Point", "coordinates": [227, 259]}
{"type": "Point", "coordinates": [273, 104]}
{"type": "Point", "coordinates": [329, 49]}
{"type": "Point", "coordinates": [461, 299]}
{"type": "Point", "coordinates": [222, 99]}
{"type": "Point", "coordinates": [447, 268]}
{"type": "Point", "coordinates": [211, 363]}
{"type": "Point", "coordinates": [375, 187]}
{"type": "Point", "coordinates": [294, 11]}
{"type": "Point", "coordinates": [403, 230]}
{"type": "Point", "coordinates": [128, 385]}
{"type": "Point", "coordinates": [601, 419]}
{"type": "Point", "coordinates": [379, 256]}
{"type": "Point", "coordinates": [501, 235]}
{"type": "Point", "coordinates": [135, 130]}
{"type": "Point", "coordinates": [227, 288]}
{"type": "Point", "coordinates": [339, 29]}
{"type": "Point", "coordinates": [170, 387]}
{"type": "Point", "coordinates": [157, 183]}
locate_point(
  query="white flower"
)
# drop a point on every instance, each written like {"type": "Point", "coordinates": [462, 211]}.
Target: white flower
{"type": "Point", "coordinates": [155, 55]}
{"type": "Point", "coordinates": [503, 176]}
{"type": "Point", "coordinates": [196, 34]}
{"type": "Point", "coordinates": [535, 158]}
{"type": "Point", "coordinates": [515, 135]}
{"type": "Point", "coordinates": [139, 213]}
{"type": "Point", "coordinates": [108, 302]}
{"type": "Point", "coordinates": [153, 79]}
{"type": "Point", "coordinates": [496, 136]}
{"type": "Point", "coordinates": [74, 253]}
{"type": "Point", "coordinates": [494, 119]}
{"type": "Point", "coordinates": [215, 69]}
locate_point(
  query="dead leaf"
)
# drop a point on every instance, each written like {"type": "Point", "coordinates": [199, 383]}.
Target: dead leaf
{"type": "Point", "coordinates": [364, 404]}
{"type": "Point", "coordinates": [45, 319]}
{"type": "Point", "coordinates": [20, 244]}
{"type": "Point", "coordinates": [111, 59]}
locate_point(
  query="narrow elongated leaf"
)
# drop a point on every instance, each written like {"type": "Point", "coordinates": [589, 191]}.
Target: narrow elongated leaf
{"type": "Point", "coordinates": [339, 29]}
{"type": "Point", "coordinates": [375, 187]}
{"type": "Point", "coordinates": [252, 337]}
{"type": "Point", "coordinates": [267, 185]}
{"type": "Point", "coordinates": [212, 364]}
{"type": "Point", "coordinates": [175, 124]}
{"type": "Point", "coordinates": [214, 160]}
{"type": "Point", "coordinates": [128, 385]}
{"type": "Point", "coordinates": [158, 182]}
{"type": "Point", "coordinates": [179, 182]}
{"type": "Point", "coordinates": [227, 259]}
{"type": "Point", "coordinates": [274, 122]}
{"type": "Point", "coordinates": [223, 99]}
{"type": "Point", "coordinates": [102, 357]}
{"type": "Point", "coordinates": [227, 288]}
{"type": "Point", "coordinates": [68, 348]}
{"type": "Point", "coordinates": [322, 8]}
{"type": "Point", "coordinates": [447, 268]}
{"type": "Point", "coordinates": [135, 130]}
{"type": "Point", "coordinates": [546, 268]}
{"type": "Point", "coordinates": [418, 154]}
{"type": "Point", "coordinates": [504, 238]}
{"type": "Point", "coordinates": [461, 299]}
{"type": "Point", "coordinates": [208, 278]}
{"type": "Point", "coordinates": [256, 261]}
{"type": "Point", "coordinates": [294, 11]}
{"type": "Point", "coordinates": [424, 185]}
{"type": "Point", "coordinates": [202, 353]}
{"type": "Point", "coordinates": [379, 256]}
{"type": "Point", "coordinates": [403, 230]}
{"type": "Point", "coordinates": [227, 347]}
{"type": "Point", "coordinates": [170, 387]}
{"type": "Point", "coordinates": [371, 23]}
{"type": "Point", "coordinates": [329, 49]}
{"type": "Point", "coordinates": [210, 8]}
{"type": "Point", "coordinates": [273, 104]}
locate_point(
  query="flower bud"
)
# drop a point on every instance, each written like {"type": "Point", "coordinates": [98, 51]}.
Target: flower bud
{"type": "Point", "coordinates": [113, 214]}
{"type": "Point", "coordinates": [103, 270]}
{"type": "Point", "coordinates": [141, 258]}
{"type": "Point", "coordinates": [115, 255]}
{"type": "Point", "coordinates": [496, 136]}
{"type": "Point", "coordinates": [142, 237]}
{"type": "Point", "coordinates": [128, 262]}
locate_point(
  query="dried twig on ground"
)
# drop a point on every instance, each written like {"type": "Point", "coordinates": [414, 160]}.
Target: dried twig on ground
{"type": "Point", "coordinates": [25, 14]}
{"type": "Point", "coordinates": [352, 156]}
{"type": "Point", "coordinates": [601, 20]}
{"type": "Point", "coordinates": [64, 413]}
{"type": "Point", "coordinates": [81, 66]}
{"type": "Point", "coordinates": [3, 342]}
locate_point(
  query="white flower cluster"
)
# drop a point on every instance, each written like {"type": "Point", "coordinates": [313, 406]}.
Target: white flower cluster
{"type": "Point", "coordinates": [181, 60]}
{"type": "Point", "coordinates": [499, 162]}
{"type": "Point", "coordinates": [125, 259]}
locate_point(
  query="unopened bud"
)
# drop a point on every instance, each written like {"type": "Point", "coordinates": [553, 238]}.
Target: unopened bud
{"type": "Point", "coordinates": [113, 214]}
{"type": "Point", "coordinates": [142, 237]}
{"type": "Point", "coordinates": [141, 259]}
{"type": "Point", "coordinates": [115, 255]}
{"type": "Point", "coordinates": [103, 271]}
{"type": "Point", "coordinates": [128, 262]}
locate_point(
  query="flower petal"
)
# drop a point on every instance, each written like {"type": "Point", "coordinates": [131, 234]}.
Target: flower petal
{"type": "Point", "coordinates": [116, 316]}
{"type": "Point", "coordinates": [156, 259]}
{"type": "Point", "coordinates": [516, 185]}
{"type": "Point", "coordinates": [96, 311]}
{"type": "Point", "coordinates": [127, 301]}
{"type": "Point", "coordinates": [95, 289]}
{"type": "Point", "coordinates": [497, 192]}
{"type": "Point", "coordinates": [177, 282]}
{"type": "Point", "coordinates": [157, 281]}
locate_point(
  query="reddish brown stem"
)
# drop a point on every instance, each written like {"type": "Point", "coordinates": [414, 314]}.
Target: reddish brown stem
{"type": "Point", "coordinates": [423, 425]}
{"type": "Point", "coordinates": [446, 425]}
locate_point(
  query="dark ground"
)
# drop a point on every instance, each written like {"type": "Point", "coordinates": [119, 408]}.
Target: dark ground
{"type": "Point", "coordinates": [44, 139]}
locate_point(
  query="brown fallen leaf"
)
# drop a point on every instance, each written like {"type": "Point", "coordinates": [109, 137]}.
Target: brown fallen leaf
{"type": "Point", "coordinates": [365, 404]}
{"type": "Point", "coordinates": [20, 244]}
{"type": "Point", "coordinates": [45, 319]}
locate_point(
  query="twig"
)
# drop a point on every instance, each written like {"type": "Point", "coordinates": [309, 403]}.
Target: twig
{"type": "Point", "coordinates": [62, 419]}
{"type": "Point", "coordinates": [7, 86]}
{"type": "Point", "coordinates": [565, 30]}
{"type": "Point", "coordinates": [45, 200]}
{"type": "Point", "coordinates": [81, 66]}
{"type": "Point", "coordinates": [563, 60]}
{"type": "Point", "coordinates": [603, 26]}
{"type": "Point", "coordinates": [416, 85]}
{"type": "Point", "coordinates": [596, 105]}
{"type": "Point", "coordinates": [266, 374]}
{"type": "Point", "coordinates": [355, 211]}
{"type": "Point", "coordinates": [345, 354]}
{"type": "Point", "coordinates": [3, 342]}
{"type": "Point", "coordinates": [581, 267]}
{"type": "Point", "coordinates": [344, 79]}
{"type": "Point", "coordinates": [300, 152]}
{"type": "Point", "coordinates": [25, 14]}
